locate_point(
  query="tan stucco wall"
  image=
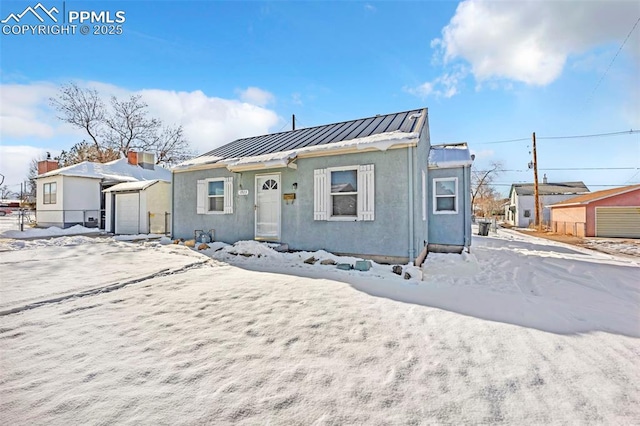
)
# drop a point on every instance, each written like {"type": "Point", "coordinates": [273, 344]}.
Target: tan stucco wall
{"type": "Point", "coordinates": [569, 220]}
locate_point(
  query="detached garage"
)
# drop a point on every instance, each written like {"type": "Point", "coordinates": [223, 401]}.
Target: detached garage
{"type": "Point", "coordinates": [142, 207]}
{"type": "Point", "coordinates": [610, 213]}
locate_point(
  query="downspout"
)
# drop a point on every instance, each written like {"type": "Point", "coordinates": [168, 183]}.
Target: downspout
{"type": "Point", "coordinates": [411, 200]}
{"type": "Point", "coordinates": [466, 198]}
{"type": "Point", "coordinates": [173, 180]}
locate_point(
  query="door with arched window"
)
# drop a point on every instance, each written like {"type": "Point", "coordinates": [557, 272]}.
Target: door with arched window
{"type": "Point", "coordinates": [268, 207]}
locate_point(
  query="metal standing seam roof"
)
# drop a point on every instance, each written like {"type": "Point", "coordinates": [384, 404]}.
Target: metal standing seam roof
{"type": "Point", "coordinates": [550, 188]}
{"type": "Point", "coordinates": [319, 135]}
{"type": "Point", "coordinates": [598, 195]}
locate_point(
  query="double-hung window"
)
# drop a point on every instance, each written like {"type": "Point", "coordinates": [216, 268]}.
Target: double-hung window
{"type": "Point", "coordinates": [445, 196]}
{"type": "Point", "coordinates": [344, 193]}
{"type": "Point", "coordinates": [50, 192]}
{"type": "Point", "coordinates": [215, 196]}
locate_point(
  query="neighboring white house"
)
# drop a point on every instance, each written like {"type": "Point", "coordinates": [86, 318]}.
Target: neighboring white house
{"type": "Point", "coordinates": [521, 211]}
{"type": "Point", "coordinates": [74, 195]}
{"type": "Point", "coordinates": [142, 207]}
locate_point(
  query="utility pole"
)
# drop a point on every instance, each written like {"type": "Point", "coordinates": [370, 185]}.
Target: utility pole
{"type": "Point", "coordinates": [536, 194]}
{"type": "Point", "coordinates": [21, 209]}
{"type": "Point", "coordinates": [293, 121]}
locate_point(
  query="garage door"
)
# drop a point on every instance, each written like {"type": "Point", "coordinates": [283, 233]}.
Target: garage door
{"type": "Point", "coordinates": [618, 222]}
{"type": "Point", "coordinates": [127, 214]}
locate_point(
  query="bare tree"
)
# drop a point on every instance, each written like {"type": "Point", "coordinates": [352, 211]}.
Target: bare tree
{"type": "Point", "coordinates": [32, 174]}
{"type": "Point", "coordinates": [6, 193]}
{"type": "Point", "coordinates": [84, 151]}
{"type": "Point", "coordinates": [116, 129]}
{"type": "Point", "coordinates": [128, 126]}
{"type": "Point", "coordinates": [170, 146]}
{"type": "Point", "coordinates": [84, 109]}
{"type": "Point", "coordinates": [481, 180]}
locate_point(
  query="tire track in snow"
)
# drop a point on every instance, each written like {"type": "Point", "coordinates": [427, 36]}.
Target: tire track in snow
{"type": "Point", "coordinates": [106, 288]}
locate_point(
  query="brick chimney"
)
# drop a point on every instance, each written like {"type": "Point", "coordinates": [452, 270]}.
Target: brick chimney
{"type": "Point", "coordinates": [45, 166]}
{"type": "Point", "coordinates": [132, 158]}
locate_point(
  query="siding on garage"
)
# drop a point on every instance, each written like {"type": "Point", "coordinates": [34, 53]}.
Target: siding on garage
{"type": "Point", "coordinates": [621, 222]}
{"type": "Point", "coordinates": [158, 208]}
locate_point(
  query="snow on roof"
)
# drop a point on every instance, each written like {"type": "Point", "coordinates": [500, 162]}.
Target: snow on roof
{"type": "Point", "coordinates": [118, 170]}
{"type": "Point", "coordinates": [598, 195]}
{"type": "Point", "coordinates": [449, 155]}
{"type": "Point", "coordinates": [131, 186]}
{"type": "Point", "coordinates": [380, 141]}
{"type": "Point", "coordinates": [204, 159]}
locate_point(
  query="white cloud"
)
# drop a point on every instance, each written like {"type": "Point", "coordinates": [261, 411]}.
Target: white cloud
{"type": "Point", "coordinates": [256, 96]}
{"type": "Point", "coordinates": [15, 161]}
{"type": "Point", "coordinates": [444, 86]}
{"type": "Point", "coordinates": [209, 122]}
{"type": "Point", "coordinates": [296, 98]}
{"type": "Point", "coordinates": [29, 126]}
{"type": "Point", "coordinates": [370, 8]}
{"type": "Point", "coordinates": [530, 41]}
{"type": "Point", "coordinates": [24, 111]}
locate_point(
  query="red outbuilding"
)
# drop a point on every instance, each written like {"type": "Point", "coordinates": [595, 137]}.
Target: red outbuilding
{"type": "Point", "coordinates": [608, 213]}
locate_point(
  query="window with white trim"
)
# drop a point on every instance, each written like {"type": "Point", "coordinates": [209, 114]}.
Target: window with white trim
{"type": "Point", "coordinates": [445, 196]}
{"type": "Point", "coordinates": [344, 193]}
{"type": "Point", "coordinates": [215, 196]}
{"type": "Point", "coordinates": [343, 198]}
{"type": "Point", "coordinates": [50, 192]}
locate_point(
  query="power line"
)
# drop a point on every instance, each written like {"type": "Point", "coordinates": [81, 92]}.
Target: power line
{"type": "Point", "coordinates": [611, 63]}
{"type": "Point", "coordinates": [507, 141]}
{"type": "Point", "coordinates": [567, 168]}
{"type": "Point", "coordinates": [595, 135]}
{"type": "Point", "coordinates": [530, 183]}
{"type": "Point", "coordinates": [632, 177]}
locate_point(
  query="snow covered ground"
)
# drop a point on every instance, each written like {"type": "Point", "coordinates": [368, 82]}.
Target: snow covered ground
{"type": "Point", "coordinates": [522, 331]}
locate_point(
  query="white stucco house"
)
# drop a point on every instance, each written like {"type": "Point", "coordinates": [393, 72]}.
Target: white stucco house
{"type": "Point", "coordinates": [75, 195]}
{"type": "Point", "coordinates": [520, 211]}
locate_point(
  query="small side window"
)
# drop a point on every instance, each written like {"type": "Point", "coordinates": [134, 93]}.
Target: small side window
{"type": "Point", "coordinates": [445, 196]}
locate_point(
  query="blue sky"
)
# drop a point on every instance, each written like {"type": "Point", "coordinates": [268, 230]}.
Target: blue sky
{"type": "Point", "coordinates": [487, 71]}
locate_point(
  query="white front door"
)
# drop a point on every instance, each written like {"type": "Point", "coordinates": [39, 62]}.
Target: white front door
{"type": "Point", "coordinates": [268, 207]}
